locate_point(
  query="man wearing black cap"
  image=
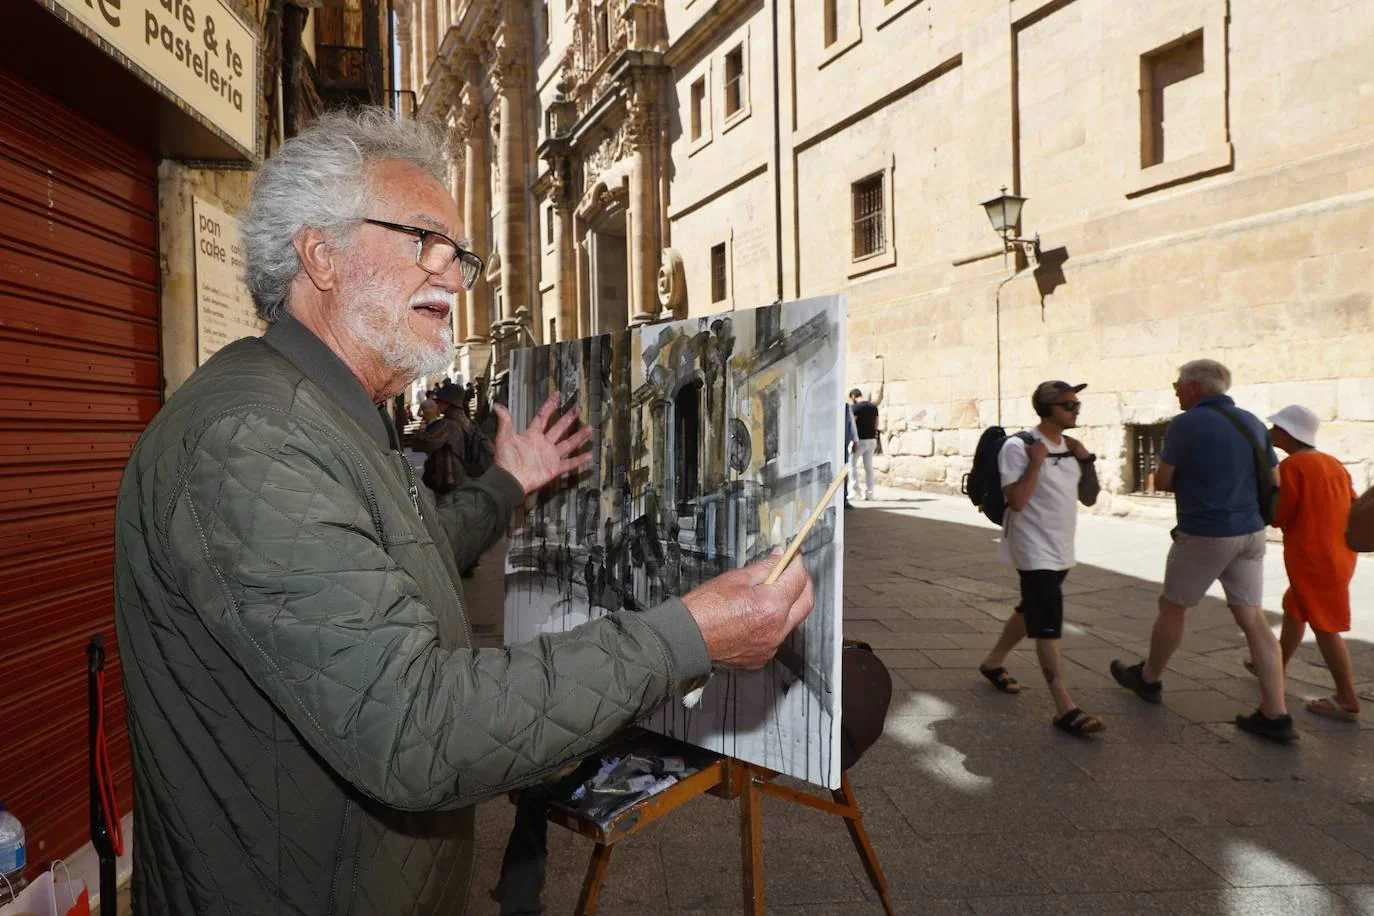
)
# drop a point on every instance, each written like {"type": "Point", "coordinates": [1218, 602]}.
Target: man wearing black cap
{"type": "Point", "coordinates": [1043, 480]}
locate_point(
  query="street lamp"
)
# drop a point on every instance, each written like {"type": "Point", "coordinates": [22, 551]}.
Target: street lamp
{"type": "Point", "coordinates": [1004, 212]}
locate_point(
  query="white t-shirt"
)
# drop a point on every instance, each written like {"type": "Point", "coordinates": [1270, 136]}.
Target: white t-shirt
{"type": "Point", "coordinates": [1040, 536]}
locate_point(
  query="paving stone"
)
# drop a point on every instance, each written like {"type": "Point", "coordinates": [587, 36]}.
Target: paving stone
{"type": "Point", "coordinates": [947, 625]}
{"type": "Point", "coordinates": [874, 612]}
{"type": "Point", "coordinates": [1201, 705]}
{"type": "Point", "coordinates": [905, 658]}
{"type": "Point", "coordinates": [1142, 804]}
{"type": "Point", "coordinates": [1359, 837]}
{"type": "Point", "coordinates": [1275, 855]}
{"type": "Point", "coordinates": [958, 866]}
{"type": "Point", "coordinates": [1115, 762]}
{"type": "Point", "coordinates": [1359, 896]}
{"type": "Point", "coordinates": [1252, 901]}
{"type": "Point", "coordinates": [1117, 860]}
{"type": "Point", "coordinates": [885, 639]}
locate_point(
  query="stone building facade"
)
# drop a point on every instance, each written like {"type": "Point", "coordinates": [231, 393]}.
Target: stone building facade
{"type": "Point", "coordinates": [1200, 174]}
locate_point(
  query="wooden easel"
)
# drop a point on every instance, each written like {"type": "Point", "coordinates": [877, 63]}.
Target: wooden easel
{"type": "Point", "coordinates": [726, 778]}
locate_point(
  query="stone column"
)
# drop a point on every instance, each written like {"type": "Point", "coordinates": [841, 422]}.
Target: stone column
{"type": "Point", "coordinates": [565, 269]}
{"type": "Point", "coordinates": [477, 209]}
{"type": "Point", "coordinates": [458, 134]}
{"type": "Point", "coordinates": [508, 74]}
{"type": "Point", "coordinates": [644, 241]}
{"type": "Point", "coordinates": [405, 46]}
{"type": "Point", "coordinates": [583, 280]}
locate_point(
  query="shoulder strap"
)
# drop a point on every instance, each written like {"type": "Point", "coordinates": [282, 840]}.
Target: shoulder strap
{"type": "Point", "coordinates": [1261, 460]}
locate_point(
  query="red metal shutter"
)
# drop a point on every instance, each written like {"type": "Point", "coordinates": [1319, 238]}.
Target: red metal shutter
{"type": "Point", "coordinates": [79, 379]}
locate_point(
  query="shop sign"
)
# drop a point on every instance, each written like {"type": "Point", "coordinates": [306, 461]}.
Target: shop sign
{"type": "Point", "coordinates": [224, 309]}
{"type": "Point", "coordinates": [198, 50]}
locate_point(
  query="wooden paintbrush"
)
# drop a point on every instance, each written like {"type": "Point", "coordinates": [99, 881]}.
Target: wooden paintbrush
{"type": "Point", "coordinates": [692, 697]}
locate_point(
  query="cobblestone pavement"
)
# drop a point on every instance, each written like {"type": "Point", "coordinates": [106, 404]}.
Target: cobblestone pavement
{"type": "Point", "coordinates": [976, 805]}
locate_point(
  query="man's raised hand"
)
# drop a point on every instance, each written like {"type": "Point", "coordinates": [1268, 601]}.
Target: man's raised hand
{"type": "Point", "coordinates": [547, 450]}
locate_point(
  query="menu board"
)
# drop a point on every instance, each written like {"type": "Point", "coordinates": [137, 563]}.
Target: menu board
{"type": "Point", "coordinates": [224, 309]}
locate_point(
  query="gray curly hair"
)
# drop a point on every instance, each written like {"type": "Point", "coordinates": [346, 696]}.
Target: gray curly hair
{"type": "Point", "coordinates": [314, 180]}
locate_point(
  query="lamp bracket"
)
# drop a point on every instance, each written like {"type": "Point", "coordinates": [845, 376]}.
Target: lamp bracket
{"type": "Point", "coordinates": [1029, 248]}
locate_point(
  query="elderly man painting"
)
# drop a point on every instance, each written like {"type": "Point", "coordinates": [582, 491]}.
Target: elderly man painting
{"type": "Point", "coordinates": [310, 726]}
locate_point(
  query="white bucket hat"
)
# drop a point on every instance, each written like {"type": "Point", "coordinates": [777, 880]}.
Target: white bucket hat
{"type": "Point", "coordinates": [1298, 422]}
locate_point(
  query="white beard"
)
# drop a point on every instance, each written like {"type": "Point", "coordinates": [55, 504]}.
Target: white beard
{"type": "Point", "coordinates": [369, 319]}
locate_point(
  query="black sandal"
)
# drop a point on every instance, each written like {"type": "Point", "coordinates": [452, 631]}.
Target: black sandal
{"type": "Point", "coordinates": [1078, 723]}
{"type": "Point", "coordinates": [1000, 679]}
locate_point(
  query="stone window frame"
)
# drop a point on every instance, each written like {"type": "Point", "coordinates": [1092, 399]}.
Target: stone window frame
{"type": "Point", "coordinates": [705, 72]}
{"type": "Point", "coordinates": [1217, 155]}
{"type": "Point", "coordinates": [889, 10]}
{"type": "Point", "coordinates": [843, 40]}
{"type": "Point", "coordinates": [746, 77]}
{"type": "Point", "coordinates": [547, 227]}
{"type": "Point", "coordinates": [728, 302]}
{"type": "Point", "coordinates": [878, 162]}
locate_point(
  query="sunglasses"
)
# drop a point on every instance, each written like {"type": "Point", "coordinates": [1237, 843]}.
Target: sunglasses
{"type": "Point", "coordinates": [1070, 406]}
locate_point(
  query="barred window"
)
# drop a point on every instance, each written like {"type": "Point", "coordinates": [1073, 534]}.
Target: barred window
{"type": "Point", "coordinates": [718, 291]}
{"type": "Point", "coordinates": [870, 227]}
{"type": "Point", "coordinates": [1146, 442]}
{"type": "Point", "coordinates": [734, 81]}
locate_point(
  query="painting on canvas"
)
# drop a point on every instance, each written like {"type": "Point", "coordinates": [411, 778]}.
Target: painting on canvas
{"type": "Point", "coordinates": [713, 440]}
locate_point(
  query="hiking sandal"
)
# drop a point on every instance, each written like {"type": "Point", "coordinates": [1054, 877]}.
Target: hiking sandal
{"type": "Point", "coordinates": [1000, 679]}
{"type": "Point", "coordinates": [1078, 723]}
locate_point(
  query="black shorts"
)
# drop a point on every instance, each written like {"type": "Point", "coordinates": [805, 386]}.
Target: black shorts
{"type": "Point", "coordinates": [1042, 602]}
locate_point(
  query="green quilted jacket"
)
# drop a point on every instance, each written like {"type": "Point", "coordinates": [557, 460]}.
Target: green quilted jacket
{"type": "Point", "coordinates": [310, 727]}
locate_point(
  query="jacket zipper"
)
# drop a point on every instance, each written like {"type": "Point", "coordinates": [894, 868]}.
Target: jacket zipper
{"type": "Point", "coordinates": [414, 489]}
{"type": "Point", "coordinates": [415, 500]}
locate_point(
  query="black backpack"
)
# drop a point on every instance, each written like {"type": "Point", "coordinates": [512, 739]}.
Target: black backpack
{"type": "Point", "coordinates": [983, 483]}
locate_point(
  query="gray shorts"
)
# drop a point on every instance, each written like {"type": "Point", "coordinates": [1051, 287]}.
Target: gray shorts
{"type": "Point", "coordinates": [1195, 562]}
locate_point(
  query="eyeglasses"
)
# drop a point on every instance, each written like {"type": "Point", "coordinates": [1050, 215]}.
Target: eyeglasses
{"type": "Point", "coordinates": [1070, 406]}
{"type": "Point", "coordinates": [436, 252]}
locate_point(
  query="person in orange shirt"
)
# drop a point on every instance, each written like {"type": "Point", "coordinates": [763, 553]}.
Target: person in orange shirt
{"type": "Point", "coordinates": [1315, 493]}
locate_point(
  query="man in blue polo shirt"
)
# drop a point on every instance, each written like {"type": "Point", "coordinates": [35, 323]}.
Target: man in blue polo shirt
{"type": "Point", "coordinates": [1209, 463]}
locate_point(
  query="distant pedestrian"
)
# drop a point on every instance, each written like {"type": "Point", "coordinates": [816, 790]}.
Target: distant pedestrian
{"type": "Point", "coordinates": [1315, 494]}
{"type": "Point", "coordinates": [1044, 480]}
{"type": "Point", "coordinates": [851, 442]}
{"type": "Point", "coordinates": [1209, 462]}
{"type": "Point", "coordinates": [866, 428]}
{"type": "Point", "coordinates": [457, 452]}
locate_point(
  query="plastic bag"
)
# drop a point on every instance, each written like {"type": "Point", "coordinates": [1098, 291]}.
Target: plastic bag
{"type": "Point", "coordinates": [50, 895]}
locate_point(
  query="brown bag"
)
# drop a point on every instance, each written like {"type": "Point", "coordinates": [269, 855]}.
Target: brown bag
{"type": "Point", "coordinates": [1359, 529]}
{"type": "Point", "coordinates": [865, 694]}
{"type": "Point", "coordinates": [442, 471]}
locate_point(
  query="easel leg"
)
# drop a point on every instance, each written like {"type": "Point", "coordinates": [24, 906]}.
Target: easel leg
{"type": "Point", "coordinates": [591, 885]}
{"type": "Point", "coordinates": [751, 842]}
{"type": "Point", "coordinates": [845, 796]}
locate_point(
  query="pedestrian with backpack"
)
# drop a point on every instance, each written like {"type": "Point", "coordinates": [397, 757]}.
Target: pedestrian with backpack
{"type": "Point", "coordinates": [1044, 474]}
{"type": "Point", "coordinates": [1220, 464]}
